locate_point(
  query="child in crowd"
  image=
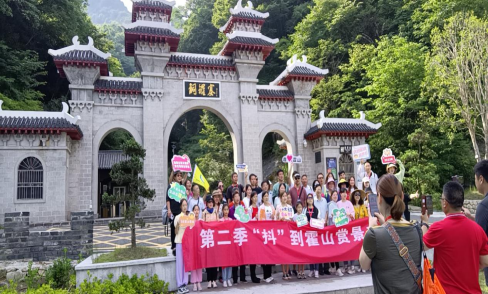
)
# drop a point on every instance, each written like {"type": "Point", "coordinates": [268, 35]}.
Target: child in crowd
{"type": "Point", "coordinates": [227, 271]}
{"type": "Point", "coordinates": [196, 275]}
{"type": "Point", "coordinates": [334, 266]}
{"type": "Point", "coordinates": [301, 267]}
{"type": "Point", "coordinates": [181, 274]}
{"type": "Point", "coordinates": [266, 212]}
{"type": "Point", "coordinates": [312, 212]}
{"type": "Point", "coordinates": [210, 215]}
{"type": "Point", "coordinates": [349, 208]}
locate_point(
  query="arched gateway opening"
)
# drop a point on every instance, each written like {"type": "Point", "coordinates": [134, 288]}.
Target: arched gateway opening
{"type": "Point", "coordinates": [207, 138]}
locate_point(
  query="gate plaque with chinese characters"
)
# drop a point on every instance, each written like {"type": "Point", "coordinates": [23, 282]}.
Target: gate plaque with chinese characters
{"type": "Point", "coordinates": [201, 90]}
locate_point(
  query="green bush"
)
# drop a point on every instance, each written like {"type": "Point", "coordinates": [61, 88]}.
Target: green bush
{"type": "Point", "coordinates": [59, 274]}
{"type": "Point", "coordinates": [124, 285]}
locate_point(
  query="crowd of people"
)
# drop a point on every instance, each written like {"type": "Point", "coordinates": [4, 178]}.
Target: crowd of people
{"type": "Point", "coordinates": [392, 246]}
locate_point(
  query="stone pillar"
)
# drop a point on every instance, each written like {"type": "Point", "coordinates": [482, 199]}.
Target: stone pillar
{"type": "Point", "coordinates": [82, 188]}
{"type": "Point", "coordinates": [303, 113]}
{"type": "Point", "coordinates": [248, 71]}
{"type": "Point", "coordinates": [155, 165]}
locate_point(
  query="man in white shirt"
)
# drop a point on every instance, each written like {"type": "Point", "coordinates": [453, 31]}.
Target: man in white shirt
{"type": "Point", "coordinates": [364, 171]}
{"type": "Point", "coordinates": [305, 184]}
{"type": "Point", "coordinates": [196, 200]}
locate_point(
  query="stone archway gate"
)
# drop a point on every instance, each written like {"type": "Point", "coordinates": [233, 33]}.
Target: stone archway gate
{"type": "Point", "coordinates": [173, 83]}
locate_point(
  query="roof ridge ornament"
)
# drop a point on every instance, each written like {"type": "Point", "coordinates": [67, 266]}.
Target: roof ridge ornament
{"type": "Point", "coordinates": [77, 46]}
{"type": "Point", "coordinates": [249, 8]}
{"type": "Point", "coordinates": [362, 120]}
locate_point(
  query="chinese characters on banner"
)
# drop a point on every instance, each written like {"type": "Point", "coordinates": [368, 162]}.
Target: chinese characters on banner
{"type": "Point", "coordinates": [271, 242]}
{"type": "Point", "coordinates": [205, 90]}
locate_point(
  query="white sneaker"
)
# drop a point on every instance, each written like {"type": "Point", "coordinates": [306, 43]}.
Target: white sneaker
{"type": "Point", "coordinates": [363, 271]}
{"type": "Point", "coordinates": [332, 270]}
{"type": "Point", "coordinates": [269, 280]}
{"type": "Point", "coordinates": [214, 284]}
{"type": "Point", "coordinates": [351, 270]}
{"type": "Point", "coordinates": [230, 283]}
{"type": "Point", "coordinates": [209, 285]}
{"type": "Point", "coordinates": [316, 274]}
{"type": "Point", "coordinates": [339, 273]}
{"type": "Point", "coordinates": [225, 284]}
{"type": "Point", "coordinates": [311, 274]}
{"type": "Point", "coordinates": [181, 290]}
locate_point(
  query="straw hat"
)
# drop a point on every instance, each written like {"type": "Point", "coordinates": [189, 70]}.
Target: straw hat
{"type": "Point", "coordinates": [363, 194]}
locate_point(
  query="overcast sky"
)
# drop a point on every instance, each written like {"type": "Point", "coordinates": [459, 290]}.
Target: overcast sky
{"type": "Point", "coordinates": [128, 3]}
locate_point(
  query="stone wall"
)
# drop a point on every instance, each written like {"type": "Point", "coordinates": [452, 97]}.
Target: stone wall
{"type": "Point", "coordinates": [17, 242]}
{"type": "Point", "coordinates": [471, 205]}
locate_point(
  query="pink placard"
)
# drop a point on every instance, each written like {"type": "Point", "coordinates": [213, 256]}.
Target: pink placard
{"type": "Point", "coordinates": [181, 163]}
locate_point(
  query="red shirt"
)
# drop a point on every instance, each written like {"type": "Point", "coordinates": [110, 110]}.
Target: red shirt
{"type": "Point", "coordinates": [254, 212]}
{"type": "Point", "coordinates": [458, 243]}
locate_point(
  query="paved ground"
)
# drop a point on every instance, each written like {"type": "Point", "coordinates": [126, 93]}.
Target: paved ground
{"type": "Point", "coordinates": [151, 236]}
{"type": "Point", "coordinates": [357, 283]}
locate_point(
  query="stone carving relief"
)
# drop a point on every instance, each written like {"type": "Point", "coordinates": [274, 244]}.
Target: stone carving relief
{"type": "Point", "coordinates": [274, 105]}
{"type": "Point", "coordinates": [248, 55]}
{"type": "Point", "coordinates": [303, 112]}
{"type": "Point", "coordinates": [144, 46]}
{"type": "Point", "coordinates": [30, 140]}
{"type": "Point", "coordinates": [246, 27]}
{"type": "Point", "coordinates": [153, 94]}
{"type": "Point", "coordinates": [152, 16]}
{"type": "Point", "coordinates": [250, 99]}
{"type": "Point", "coordinates": [85, 76]}
{"type": "Point", "coordinates": [197, 73]}
{"type": "Point", "coordinates": [119, 99]}
{"type": "Point", "coordinates": [81, 105]}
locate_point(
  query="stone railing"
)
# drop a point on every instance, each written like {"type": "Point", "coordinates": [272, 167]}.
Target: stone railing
{"type": "Point", "coordinates": [471, 205]}
{"type": "Point", "coordinates": [17, 242]}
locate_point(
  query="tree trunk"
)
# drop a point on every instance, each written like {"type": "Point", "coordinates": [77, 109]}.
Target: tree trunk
{"type": "Point", "coordinates": [472, 134]}
{"type": "Point", "coordinates": [133, 233]}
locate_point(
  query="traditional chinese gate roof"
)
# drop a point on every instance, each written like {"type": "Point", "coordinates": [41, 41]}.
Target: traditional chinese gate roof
{"type": "Point", "coordinates": [243, 31]}
{"type": "Point", "coordinates": [299, 70]}
{"type": "Point", "coordinates": [80, 55]}
{"type": "Point", "coordinates": [119, 85]}
{"type": "Point", "coordinates": [201, 61]}
{"type": "Point", "coordinates": [274, 93]}
{"type": "Point", "coordinates": [159, 6]}
{"type": "Point", "coordinates": [341, 127]}
{"type": "Point", "coordinates": [39, 122]}
{"type": "Point", "coordinates": [152, 32]}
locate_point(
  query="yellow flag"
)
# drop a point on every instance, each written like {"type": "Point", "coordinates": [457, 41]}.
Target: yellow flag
{"type": "Point", "coordinates": [199, 179]}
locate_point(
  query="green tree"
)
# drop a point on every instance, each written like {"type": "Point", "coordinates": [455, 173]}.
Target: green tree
{"type": "Point", "coordinates": [128, 173]}
{"type": "Point", "coordinates": [179, 15]}
{"type": "Point", "coordinates": [458, 75]}
{"type": "Point", "coordinates": [217, 162]}
{"type": "Point", "coordinates": [199, 34]}
{"type": "Point", "coordinates": [124, 66]}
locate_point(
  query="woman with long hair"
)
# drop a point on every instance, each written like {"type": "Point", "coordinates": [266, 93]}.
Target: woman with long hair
{"type": "Point", "coordinates": [277, 198]}
{"type": "Point", "coordinates": [312, 212]}
{"type": "Point", "coordinates": [266, 213]}
{"type": "Point", "coordinates": [380, 252]}
{"type": "Point", "coordinates": [247, 195]}
{"type": "Point", "coordinates": [188, 186]}
{"type": "Point", "coordinates": [352, 185]}
{"type": "Point", "coordinates": [181, 274]}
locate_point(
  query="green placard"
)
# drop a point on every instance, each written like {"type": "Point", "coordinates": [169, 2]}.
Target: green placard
{"type": "Point", "coordinates": [241, 215]}
{"type": "Point", "coordinates": [340, 217]}
{"type": "Point", "coordinates": [301, 220]}
{"type": "Point", "coordinates": [177, 192]}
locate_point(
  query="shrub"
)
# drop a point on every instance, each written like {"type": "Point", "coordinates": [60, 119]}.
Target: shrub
{"type": "Point", "coordinates": [33, 277]}
{"type": "Point", "coordinates": [59, 274]}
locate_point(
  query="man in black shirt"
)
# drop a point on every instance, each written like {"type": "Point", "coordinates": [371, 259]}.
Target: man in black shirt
{"type": "Point", "coordinates": [481, 218]}
{"type": "Point", "coordinates": [254, 183]}
{"type": "Point", "coordinates": [173, 207]}
{"type": "Point", "coordinates": [230, 189]}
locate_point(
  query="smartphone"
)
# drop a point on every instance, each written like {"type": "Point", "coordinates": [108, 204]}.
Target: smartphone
{"type": "Point", "coordinates": [427, 204]}
{"type": "Point", "coordinates": [373, 204]}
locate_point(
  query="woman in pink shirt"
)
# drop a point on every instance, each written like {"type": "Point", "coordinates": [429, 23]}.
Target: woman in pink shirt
{"type": "Point", "coordinates": [349, 208]}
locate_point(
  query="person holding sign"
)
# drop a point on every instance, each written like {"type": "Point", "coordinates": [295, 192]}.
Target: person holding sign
{"type": "Point", "coordinates": [181, 274]}
{"type": "Point", "coordinates": [196, 275]}
{"type": "Point", "coordinates": [392, 168]}
{"type": "Point", "coordinates": [173, 206]}
{"type": "Point", "coordinates": [210, 215]}
{"type": "Point", "coordinates": [242, 269]}
{"type": "Point", "coordinates": [299, 212]}
{"type": "Point", "coordinates": [284, 212]}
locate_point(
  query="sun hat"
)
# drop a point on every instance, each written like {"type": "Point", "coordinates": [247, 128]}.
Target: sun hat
{"type": "Point", "coordinates": [391, 165]}
{"type": "Point", "coordinates": [363, 194]}
{"type": "Point", "coordinates": [343, 181]}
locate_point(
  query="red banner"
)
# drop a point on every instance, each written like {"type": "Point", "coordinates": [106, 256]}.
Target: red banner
{"type": "Point", "coordinates": [232, 243]}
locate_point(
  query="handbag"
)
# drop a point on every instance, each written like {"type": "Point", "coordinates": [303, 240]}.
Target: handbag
{"type": "Point", "coordinates": [404, 254]}
{"type": "Point", "coordinates": [432, 285]}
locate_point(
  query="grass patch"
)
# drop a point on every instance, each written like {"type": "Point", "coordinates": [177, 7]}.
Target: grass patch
{"type": "Point", "coordinates": [484, 288]}
{"type": "Point", "coordinates": [121, 254]}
